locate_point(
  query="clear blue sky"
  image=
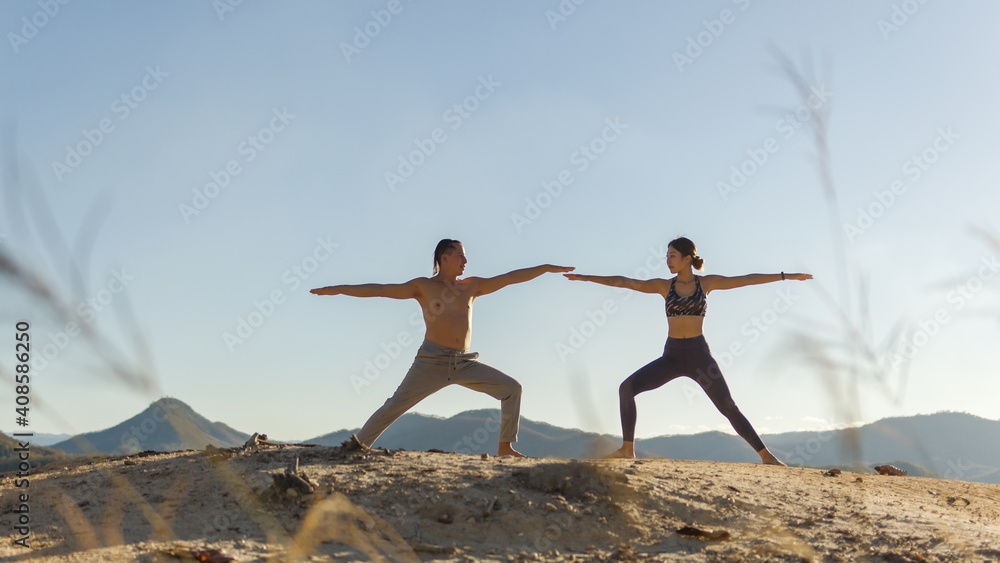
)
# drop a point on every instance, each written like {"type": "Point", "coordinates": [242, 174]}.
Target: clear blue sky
{"type": "Point", "coordinates": [122, 113]}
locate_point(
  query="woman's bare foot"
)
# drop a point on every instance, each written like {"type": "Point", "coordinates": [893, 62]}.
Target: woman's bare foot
{"type": "Point", "coordinates": [767, 458]}
{"type": "Point", "coordinates": [506, 449]}
{"type": "Point", "coordinates": [627, 451]}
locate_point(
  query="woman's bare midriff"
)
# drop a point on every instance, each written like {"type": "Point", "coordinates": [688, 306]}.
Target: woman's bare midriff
{"type": "Point", "coordinates": [687, 326]}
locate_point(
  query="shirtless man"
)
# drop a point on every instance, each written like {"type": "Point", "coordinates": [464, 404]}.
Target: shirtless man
{"type": "Point", "coordinates": [444, 357]}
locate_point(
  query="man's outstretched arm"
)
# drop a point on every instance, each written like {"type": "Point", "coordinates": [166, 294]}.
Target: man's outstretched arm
{"type": "Point", "coordinates": [489, 285]}
{"type": "Point", "coordinates": [408, 290]}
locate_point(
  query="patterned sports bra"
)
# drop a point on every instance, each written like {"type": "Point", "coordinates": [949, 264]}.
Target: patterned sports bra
{"type": "Point", "coordinates": [695, 304]}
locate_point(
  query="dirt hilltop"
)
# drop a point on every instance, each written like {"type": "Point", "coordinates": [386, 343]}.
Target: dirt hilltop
{"type": "Point", "coordinates": [348, 505]}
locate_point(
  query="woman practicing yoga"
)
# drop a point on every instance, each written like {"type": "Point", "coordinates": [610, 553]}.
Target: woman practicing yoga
{"type": "Point", "coordinates": [686, 352]}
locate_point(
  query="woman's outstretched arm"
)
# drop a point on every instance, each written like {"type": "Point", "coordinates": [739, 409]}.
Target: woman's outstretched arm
{"type": "Point", "coordinates": [406, 290]}
{"type": "Point", "coordinates": [713, 282]}
{"type": "Point", "coordinates": [645, 286]}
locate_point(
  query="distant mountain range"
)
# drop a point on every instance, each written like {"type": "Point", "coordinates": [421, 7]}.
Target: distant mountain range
{"type": "Point", "coordinates": [947, 444]}
{"type": "Point", "coordinates": [42, 439]}
{"type": "Point", "coordinates": [167, 425]}
{"type": "Point", "coordinates": [950, 445]}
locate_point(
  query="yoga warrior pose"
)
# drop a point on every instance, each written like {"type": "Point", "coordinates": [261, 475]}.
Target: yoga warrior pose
{"type": "Point", "coordinates": [444, 358]}
{"type": "Point", "coordinates": [686, 352]}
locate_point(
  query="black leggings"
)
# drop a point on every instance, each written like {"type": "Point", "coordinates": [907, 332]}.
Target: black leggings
{"type": "Point", "coordinates": [689, 357]}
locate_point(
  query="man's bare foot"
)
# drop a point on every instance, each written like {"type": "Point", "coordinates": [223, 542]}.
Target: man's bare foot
{"type": "Point", "coordinates": [627, 451]}
{"type": "Point", "coordinates": [505, 449]}
{"type": "Point", "coordinates": [767, 458]}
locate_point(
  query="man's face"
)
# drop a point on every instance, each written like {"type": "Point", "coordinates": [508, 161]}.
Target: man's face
{"type": "Point", "coordinates": [453, 261]}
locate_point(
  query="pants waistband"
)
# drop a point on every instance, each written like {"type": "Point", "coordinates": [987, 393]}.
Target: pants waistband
{"type": "Point", "coordinates": [696, 342]}
{"type": "Point", "coordinates": [429, 348]}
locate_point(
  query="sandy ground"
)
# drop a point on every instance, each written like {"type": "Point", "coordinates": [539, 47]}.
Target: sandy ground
{"type": "Point", "coordinates": [408, 506]}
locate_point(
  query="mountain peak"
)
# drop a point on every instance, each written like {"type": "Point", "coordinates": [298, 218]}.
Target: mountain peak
{"type": "Point", "coordinates": [168, 424]}
{"type": "Point", "coordinates": [170, 405]}
{"type": "Point", "coordinates": [169, 402]}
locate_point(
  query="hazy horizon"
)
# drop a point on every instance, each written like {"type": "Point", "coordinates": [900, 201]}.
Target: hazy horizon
{"type": "Point", "coordinates": [442, 417]}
